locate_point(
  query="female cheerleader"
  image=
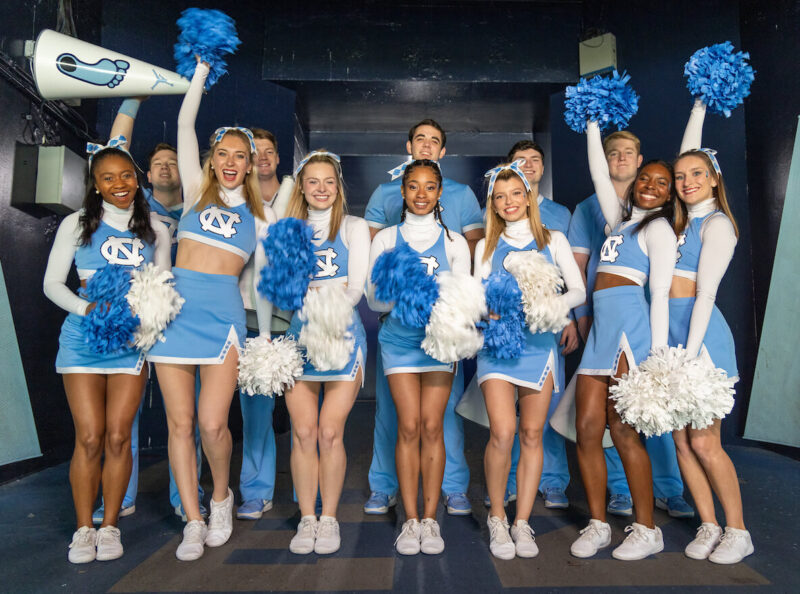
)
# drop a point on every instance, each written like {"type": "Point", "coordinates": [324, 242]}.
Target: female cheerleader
{"type": "Point", "coordinates": [103, 391]}
{"type": "Point", "coordinates": [420, 385]}
{"type": "Point", "coordinates": [513, 224]}
{"type": "Point", "coordinates": [640, 246]}
{"type": "Point", "coordinates": [708, 237]}
{"type": "Point", "coordinates": [222, 222]}
{"type": "Point", "coordinates": [318, 457]}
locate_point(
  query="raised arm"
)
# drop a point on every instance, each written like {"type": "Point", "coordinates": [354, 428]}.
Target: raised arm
{"type": "Point", "coordinates": [693, 135]}
{"type": "Point", "coordinates": [662, 249]}
{"type": "Point", "coordinates": [188, 148]}
{"type": "Point", "coordinates": [58, 265]}
{"type": "Point", "coordinates": [598, 168]}
{"type": "Point", "coordinates": [126, 116]}
{"type": "Point", "coordinates": [358, 241]}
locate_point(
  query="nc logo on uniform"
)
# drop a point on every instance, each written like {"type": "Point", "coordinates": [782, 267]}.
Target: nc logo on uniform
{"type": "Point", "coordinates": [172, 226]}
{"type": "Point", "coordinates": [681, 241]}
{"type": "Point", "coordinates": [609, 253]}
{"type": "Point", "coordinates": [220, 222]}
{"type": "Point", "coordinates": [123, 251]}
{"type": "Point", "coordinates": [327, 268]}
{"type": "Point", "coordinates": [103, 73]}
{"type": "Point", "coordinates": [431, 264]}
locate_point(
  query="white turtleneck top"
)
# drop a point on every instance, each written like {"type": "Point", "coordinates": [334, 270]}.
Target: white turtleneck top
{"type": "Point", "coordinates": [68, 241]}
{"type": "Point", "coordinates": [420, 232]}
{"type": "Point", "coordinates": [518, 234]}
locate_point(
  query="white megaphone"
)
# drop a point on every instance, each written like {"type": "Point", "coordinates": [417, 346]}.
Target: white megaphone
{"type": "Point", "coordinates": [68, 68]}
{"type": "Point", "coordinates": [563, 417]}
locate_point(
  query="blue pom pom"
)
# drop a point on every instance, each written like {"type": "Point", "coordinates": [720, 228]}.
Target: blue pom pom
{"type": "Point", "coordinates": [400, 277]}
{"type": "Point", "coordinates": [605, 100]}
{"type": "Point", "coordinates": [209, 34]}
{"type": "Point", "coordinates": [719, 77]}
{"type": "Point", "coordinates": [110, 326]}
{"type": "Point", "coordinates": [291, 263]}
{"type": "Point", "coordinates": [504, 338]}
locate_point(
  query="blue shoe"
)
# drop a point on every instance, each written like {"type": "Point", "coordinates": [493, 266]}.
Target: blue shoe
{"type": "Point", "coordinates": [178, 509]}
{"type": "Point", "coordinates": [379, 503]}
{"type": "Point", "coordinates": [555, 498]}
{"type": "Point", "coordinates": [620, 505]}
{"type": "Point", "coordinates": [675, 506]}
{"type": "Point", "coordinates": [509, 496]}
{"type": "Point", "coordinates": [457, 504]}
{"type": "Point", "coordinates": [253, 509]}
{"type": "Point", "coordinates": [125, 510]}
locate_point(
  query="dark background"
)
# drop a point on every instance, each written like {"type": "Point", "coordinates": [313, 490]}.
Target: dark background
{"type": "Point", "coordinates": [353, 76]}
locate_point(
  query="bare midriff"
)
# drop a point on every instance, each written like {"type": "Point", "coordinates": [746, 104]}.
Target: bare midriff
{"type": "Point", "coordinates": [606, 280]}
{"type": "Point", "coordinates": [200, 257]}
{"type": "Point", "coordinates": [682, 287]}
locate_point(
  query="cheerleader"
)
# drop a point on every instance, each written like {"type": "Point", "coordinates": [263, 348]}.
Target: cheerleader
{"type": "Point", "coordinates": [639, 249]}
{"type": "Point", "coordinates": [420, 385]}
{"type": "Point", "coordinates": [318, 458]}
{"type": "Point", "coordinates": [514, 225]}
{"type": "Point", "coordinates": [222, 221]}
{"type": "Point", "coordinates": [114, 226]}
{"type": "Point", "coordinates": [707, 238]}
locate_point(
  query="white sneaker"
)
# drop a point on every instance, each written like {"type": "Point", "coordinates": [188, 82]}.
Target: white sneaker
{"type": "Point", "coordinates": [430, 539]}
{"type": "Point", "coordinates": [220, 521]}
{"type": "Point", "coordinates": [109, 544]}
{"type": "Point", "coordinates": [303, 542]}
{"type": "Point", "coordinates": [640, 543]}
{"type": "Point", "coordinates": [707, 539]}
{"type": "Point", "coordinates": [500, 543]}
{"type": "Point", "coordinates": [596, 536]}
{"type": "Point", "coordinates": [83, 549]}
{"type": "Point", "coordinates": [194, 535]}
{"type": "Point", "coordinates": [328, 539]}
{"type": "Point", "coordinates": [408, 541]}
{"type": "Point", "coordinates": [522, 533]}
{"type": "Point", "coordinates": [734, 546]}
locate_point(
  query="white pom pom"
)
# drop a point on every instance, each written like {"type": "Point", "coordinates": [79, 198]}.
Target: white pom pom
{"type": "Point", "coordinates": [153, 298]}
{"type": "Point", "coordinates": [451, 334]}
{"type": "Point", "coordinates": [710, 391]}
{"type": "Point", "coordinates": [269, 368]}
{"type": "Point", "coordinates": [541, 284]}
{"type": "Point", "coordinates": [327, 314]}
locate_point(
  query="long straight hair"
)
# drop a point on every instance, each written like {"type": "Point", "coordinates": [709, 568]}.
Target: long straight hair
{"type": "Point", "coordinates": [496, 225]}
{"type": "Point", "coordinates": [298, 207]}
{"type": "Point", "coordinates": [670, 206]}
{"type": "Point", "coordinates": [719, 193]}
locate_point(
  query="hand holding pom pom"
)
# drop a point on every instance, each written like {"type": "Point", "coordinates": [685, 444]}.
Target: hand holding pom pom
{"type": "Point", "coordinates": [208, 34]}
{"type": "Point", "coordinates": [605, 100]}
{"type": "Point", "coordinates": [290, 263]}
{"type": "Point", "coordinates": [503, 338]}
{"type": "Point", "coordinates": [109, 327]}
{"type": "Point", "coordinates": [719, 77]}
{"type": "Point", "coordinates": [269, 368]}
{"type": "Point", "coordinates": [451, 333]}
{"type": "Point", "coordinates": [154, 300]}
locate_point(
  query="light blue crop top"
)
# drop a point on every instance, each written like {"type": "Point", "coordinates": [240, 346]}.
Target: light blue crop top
{"type": "Point", "coordinates": [112, 246]}
{"type": "Point", "coordinates": [231, 228]}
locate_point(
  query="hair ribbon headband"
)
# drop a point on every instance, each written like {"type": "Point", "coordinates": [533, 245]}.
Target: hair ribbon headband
{"type": "Point", "coordinates": [515, 167]}
{"type": "Point", "coordinates": [712, 156]}
{"type": "Point", "coordinates": [305, 160]}
{"type": "Point", "coordinates": [118, 142]}
{"type": "Point", "coordinates": [220, 132]}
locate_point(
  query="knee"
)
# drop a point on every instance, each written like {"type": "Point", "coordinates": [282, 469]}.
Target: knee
{"type": "Point", "coordinates": [432, 430]}
{"type": "Point", "coordinates": [90, 442]}
{"type": "Point", "coordinates": [408, 430]}
{"type": "Point", "coordinates": [589, 429]}
{"type": "Point", "coordinates": [682, 447]}
{"type": "Point", "coordinates": [212, 430]}
{"type": "Point", "coordinates": [530, 437]}
{"type": "Point", "coordinates": [705, 447]}
{"type": "Point", "coordinates": [623, 435]}
{"type": "Point", "coordinates": [502, 437]}
{"type": "Point", "coordinates": [117, 442]}
{"type": "Point", "coordinates": [182, 428]}
{"type": "Point", "coordinates": [329, 437]}
{"type": "Point", "coordinates": [305, 436]}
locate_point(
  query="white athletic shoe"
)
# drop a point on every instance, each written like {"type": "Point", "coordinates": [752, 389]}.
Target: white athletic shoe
{"type": "Point", "coordinates": [328, 539]}
{"type": "Point", "coordinates": [707, 539]}
{"type": "Point", "coordinates": [83, 548]}
{"type": "Point", "coordinates": [596, 536]}
{"type": "Point", "coordinates": [194, 535]}
{"type": "Point", "coordinates": [109, 544]}
{"type": "Point", "coordinates": [500, 543]}
{"type": "Point", "coordinates": [430, 539]}
{"type": "Point", "coordinates": [522, 533]}
{"type": "Point", "coordinates": [303, 542]}
{"type": "Point", "coordinates": [734, 546]}
{"type": "Point", "coordinates": [408, 541]}
{"type": "Point", "coordinates": [220, 521]}
{"type": "Point", "coordinates": [640, 543]}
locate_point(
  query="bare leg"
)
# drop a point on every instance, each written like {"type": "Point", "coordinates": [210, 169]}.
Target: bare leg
{"type": "Point", "coordinates": [533, 408]}
{"type": "Point", "coordinates": [590, 402]}
{"type": "Point", "coordinates": [499, 397]}
{"type": "Point", "coordinates": [303, 404]}
{"type": "Point", "coordinates": [406, 389]}
{"type": "Point", "coordinates": [695, 477]}
{"type": "Point", "coordinates": [435, 392]}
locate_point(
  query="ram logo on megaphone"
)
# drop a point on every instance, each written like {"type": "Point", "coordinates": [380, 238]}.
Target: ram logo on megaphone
{"type": "Point", "coordinates": [67, 68]}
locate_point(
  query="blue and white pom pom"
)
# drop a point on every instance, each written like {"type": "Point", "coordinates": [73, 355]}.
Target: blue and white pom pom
{"type": "Point", "coordinates": [110, 326]}
{"type": "Point", "coordinates": [451, 333]}
{"type": "Point", "coordinates": [269, 368]}
{"type": "Point", "coordinates": [503, 338]}
{"type": "Point", "coordinates": [541, 284]}
{"type": "Point", "coordinates": [154, 300]}
{"type": "Point", "coordinates": [326, 315]}
{"type": "Point", "coordinates": [400, 278]}
{"type": "Point", "coordinates": [719, 77]}
{"type": "Point", "coordinates": [290, 263]}
{"type": "Point", "coordinates": [603, 99]}
{"type": "Point", "coordinates": [210, 34]}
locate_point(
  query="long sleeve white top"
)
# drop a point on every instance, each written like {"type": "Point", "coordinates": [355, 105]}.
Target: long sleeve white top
{"type": "Point", "coordinates": [693, 134]}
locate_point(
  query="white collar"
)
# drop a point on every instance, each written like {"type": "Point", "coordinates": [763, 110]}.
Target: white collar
{"type": "Point", "coordinates": [701, 209]}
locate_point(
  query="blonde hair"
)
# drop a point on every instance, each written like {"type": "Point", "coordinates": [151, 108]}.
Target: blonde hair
{"type": "Point", "coordinates": [495, 224]}
{"type": "Point", "coordinates": [621, 135]}
{"type": "Point", "coordinates": [719, 192]}
{"type": "Point", "coordinates": [210, 188]}
{"type": "Point", "coordinates": [298, 207]}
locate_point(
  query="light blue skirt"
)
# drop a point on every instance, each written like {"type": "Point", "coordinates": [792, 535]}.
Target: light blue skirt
{"type": "Point", "coordinates": [530, 369]}
{"type": "Point", "coordinates": [621, 326]}
{"type": "Point", "coordinates": [402, 352]}
{"type": "Point", "coordinates": [75, 356]}
{"type": "Point", "coordinates": [211, 321]}
{"type": "Point", "coordinates": [717, 343]}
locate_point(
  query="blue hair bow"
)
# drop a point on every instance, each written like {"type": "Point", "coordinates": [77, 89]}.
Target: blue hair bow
{"type": "Point", "coordinates": [118, 142]}
{"type": "Point", "coordinates": [220, 132]}
{"type": "Point", "coordinates": [712, 156]}
{"type": "Point", "coordinates": [515, 167]}
{"type": "Point", "coordinates": [305, 160]}
{"type": "Point", "coordinates": [401, 169]}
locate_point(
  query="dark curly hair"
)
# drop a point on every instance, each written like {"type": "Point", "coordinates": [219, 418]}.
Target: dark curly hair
{"type": "Point", "coordinates": [667, 211]}
{"type": "Point", "coordinates": [437, 209]}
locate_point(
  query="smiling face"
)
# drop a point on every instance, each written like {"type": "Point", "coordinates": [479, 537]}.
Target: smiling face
{"type": "Point", "coordinates": [694, 182]}
{"type": "Point", "coordinates": [163, 174]}
{"type": "Point", "coordinates": [115, 180]}
{"type": "Point", "coordinates": [652, 186]}
{"type": "Point", "coordinates": [426, 144]}
{"type": "Point", "coordinates": [421, 190]}
{"type": "Point", "coordinates": [623, 159]}
{"type": "Point", "coordinates": [532, 165]}
{"type": "Point", "coordinates": [267, 158]}
{"type": "Point", "coordinates": [231, 161]}
{"type": "Point", "coordinates": [510, 199]}
{"type": "Point", "coordinates": [320, 185]}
